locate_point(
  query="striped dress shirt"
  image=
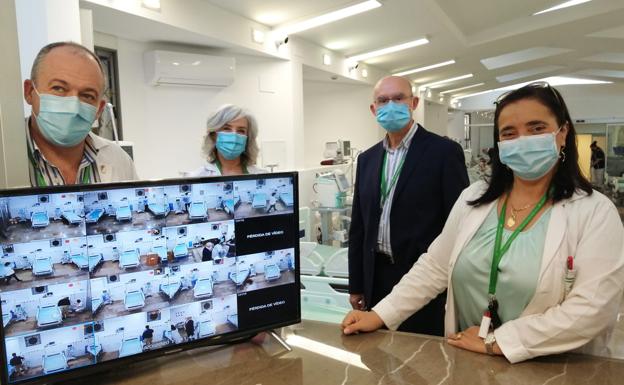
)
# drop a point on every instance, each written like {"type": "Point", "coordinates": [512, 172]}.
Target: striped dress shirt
{"type": "Point", "coordinates": [394, 158]}
{"type": "Point", "coordinates": [44, 173]}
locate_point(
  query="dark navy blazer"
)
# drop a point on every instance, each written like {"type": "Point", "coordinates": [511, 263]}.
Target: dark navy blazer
{"type": "Point", "coordinates": [433, 176]}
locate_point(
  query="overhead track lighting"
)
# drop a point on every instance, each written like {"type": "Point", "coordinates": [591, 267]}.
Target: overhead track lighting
{"type": "Point", "coordinates": [426, 68]}
{"type": "Point", "coordinates": [440, 83]}
{"type": "Point", "coordinates": [567, 4]}
{"type": "Point", "coordinates": [289, 29]}
{"type": "Point", "coordinates": [387, 50]}
{"type": "Point", "coordinates": [461, 88]}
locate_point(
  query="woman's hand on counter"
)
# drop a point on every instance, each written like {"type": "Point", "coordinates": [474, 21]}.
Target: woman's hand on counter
{"type": "Point", "coordinates": [361, 321]}
{"type": "Point", "coordinates": [469, 339]}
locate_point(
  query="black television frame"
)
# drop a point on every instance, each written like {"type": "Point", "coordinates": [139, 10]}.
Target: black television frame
{"type": "Point", "coordinates": [84, 371]}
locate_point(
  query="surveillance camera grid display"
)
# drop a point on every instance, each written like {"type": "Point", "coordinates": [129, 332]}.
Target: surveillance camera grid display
{"type": "Point", "coordinates": [88, 277]}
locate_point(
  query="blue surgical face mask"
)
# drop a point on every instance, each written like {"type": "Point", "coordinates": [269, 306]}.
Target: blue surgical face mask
{"type": "Point", "coordinates": [393, 116]}
{"type": "Point", "coordinates": [530, 157]}
{"type": "Point", "coordinates": [231, 145]}
{"type": "Point", "coordinates": [64, 120]}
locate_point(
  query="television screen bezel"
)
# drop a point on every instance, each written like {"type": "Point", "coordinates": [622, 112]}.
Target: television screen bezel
{"type": "Point", "coordinates": [84, 371]}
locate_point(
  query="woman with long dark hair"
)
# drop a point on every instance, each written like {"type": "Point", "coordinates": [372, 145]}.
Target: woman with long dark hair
{"type": "Point", "coordinates": [533, 259]}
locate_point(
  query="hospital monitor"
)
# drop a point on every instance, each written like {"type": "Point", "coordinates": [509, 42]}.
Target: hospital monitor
{"type": "Point", "coordinates": [94, 277]}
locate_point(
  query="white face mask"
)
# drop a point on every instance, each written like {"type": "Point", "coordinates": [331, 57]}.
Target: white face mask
{"type": "Point", "coordinates": [530, 157]}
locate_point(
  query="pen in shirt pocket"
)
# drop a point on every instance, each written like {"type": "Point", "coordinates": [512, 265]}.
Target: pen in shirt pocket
{"type": "Point", "coordinates": [570, 276]}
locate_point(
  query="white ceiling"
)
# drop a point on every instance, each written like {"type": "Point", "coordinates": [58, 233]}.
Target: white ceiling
{"type": "Point", "coordinates": [587, 39]}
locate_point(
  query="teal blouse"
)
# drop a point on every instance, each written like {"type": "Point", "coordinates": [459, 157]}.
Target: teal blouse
{"type": "Point", "coordinates": [518, 271]}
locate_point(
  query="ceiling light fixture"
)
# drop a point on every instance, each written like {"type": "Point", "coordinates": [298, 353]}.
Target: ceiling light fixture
{"type": "Point", "coordinates": [553, 81]}
{"type": "Point", "coordinates": [151, 4]}
{"type": "Point", "coordinates": [327, 18]}
{"type": "Point", "coordinates": [387, 50]}
{"type": "Point", "coordinates": [426, 68]}
{"type": "Point", "coordinates": [257, 36]}
{"type": "Point", "coordinates": [327, 59]}
{"type": "Point", "coordinates": [440, 83]}
{"type": "Point", "coordinates": [364, 73]}
{"type": "Point", "coordinates": [567, 4]}
{"type": "Point", "coordinates": [461, 88]}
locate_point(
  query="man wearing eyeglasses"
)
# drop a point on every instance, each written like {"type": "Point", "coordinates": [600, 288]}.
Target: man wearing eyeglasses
{"type": "Point", "coordinates": [405, 188]}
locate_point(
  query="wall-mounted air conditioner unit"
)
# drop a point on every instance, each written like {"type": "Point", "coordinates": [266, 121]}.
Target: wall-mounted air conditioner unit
{"type": "Point", "coordinates": [187, 69]}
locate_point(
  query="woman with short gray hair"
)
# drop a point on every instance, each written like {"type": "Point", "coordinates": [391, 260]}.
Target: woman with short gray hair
{"type": "Point", "coordinates": [230, 143]}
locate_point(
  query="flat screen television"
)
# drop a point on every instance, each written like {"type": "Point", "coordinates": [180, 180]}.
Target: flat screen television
{"type": "Point", "coordinates": [97, 276]}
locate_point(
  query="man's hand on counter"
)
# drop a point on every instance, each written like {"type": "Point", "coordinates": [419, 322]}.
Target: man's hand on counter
{"type": "Point", "coordinates": [469, 339]}
{"type": "Point", "coordinates": [361, 321]}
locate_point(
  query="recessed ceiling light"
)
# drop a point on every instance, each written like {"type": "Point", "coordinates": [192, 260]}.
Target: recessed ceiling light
{"type": "Point", "coordinates": [421, 69]}
{"type": "Point", "coordinates": [566, 4]}
{"type": "Point", "coordinates": [151, 4]}
{"type": "Point", "coordinates": [327, 59]}
{"type": "Point", "coordinates": [387, 50]}
{"type": "Point", "coordinates": [461, 88]}
{"type": "Point", "coordinates": [257, 36]}
{"type": "Point", "coordinates": [327, 18]}
{"type": "Point", "coordinates": [364, 73]}
{"type": "Point", "coordinates": [440, 83]}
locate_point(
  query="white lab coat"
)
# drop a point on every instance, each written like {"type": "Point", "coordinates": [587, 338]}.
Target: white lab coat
{"type": "Point", "coordinates": [211, 169]}
{"type": "Point", "coordinates": [585, 227]}
{"type": "Point", "coordinates": [114, 164]}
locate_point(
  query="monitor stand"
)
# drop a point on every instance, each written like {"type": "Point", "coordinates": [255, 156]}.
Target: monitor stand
{"type": "Point", "coordinates": [279, 339]}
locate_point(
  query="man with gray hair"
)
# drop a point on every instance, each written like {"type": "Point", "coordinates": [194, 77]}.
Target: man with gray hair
{"type": "Point", "coordinates": [66, 92]}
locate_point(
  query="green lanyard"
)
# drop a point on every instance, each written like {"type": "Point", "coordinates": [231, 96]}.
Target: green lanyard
{"type": "Point", "coordinates": [41, 182]}
{"type": "Point", "coordinates": [500, 250]}
{"type": "Point", "coordinates": [218, 164]}
{"type": "Point", "coordinates": [385, 187]}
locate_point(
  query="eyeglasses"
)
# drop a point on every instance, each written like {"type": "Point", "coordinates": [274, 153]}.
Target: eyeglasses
{"type": "Point", "coordinates": [540, 84]}
{"type": "Point", "coordinates": [382, 100]}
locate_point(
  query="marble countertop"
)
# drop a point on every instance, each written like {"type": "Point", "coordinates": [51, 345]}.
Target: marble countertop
{"type": "Point", "coordinates": [322, 355]}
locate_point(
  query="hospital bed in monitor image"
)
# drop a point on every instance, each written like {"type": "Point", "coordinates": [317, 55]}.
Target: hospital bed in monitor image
{"type": "Point", "coordinates": [130, 347]}
{"type": "Point", "coordinates": [54, 362]}
{"type": "Point", "coordinates": [123, 213]}
{"type": "Point", "coordinates": [161, 251]}
{"type": "Point", "coordinates": [198, 211]}
{"type": "Point", "coordinates": [43, 266]}
{"type": "Point", "coordinates": [10, 316]}
{"type": "Point", "coordinates": [94, 215]}
{"type": "Point", "coordinates": [134, 299]}
{"type": "Point", "coordinates": [170, 289]}
{"type": "Point", "coordinates": [83, 262]}
{"type": "Point", "coordinates": [180, 251]}
{"type": "Point", "coordinates": [71, 217]}
{"type": "Point", "coordinates": [129, 259]}
{"type": "Point", "coordinates": [233, 319]}
{"type": "Point", "coordinates": [94, 349]}
{"type": "Point", "coordinates": [259, 201]}
{"type": "Point", "coordinates": [239, 277]}
{"type": "Point", "coordinates": [272, 272]}
{"type": "Point", "coordinates": [39, 219]}
{"type": "Point", "coordinates": [206, 328]}
{"type": "Point", "coordinates": [229, 205]}
{"type": "Point", "coordinates": [49, 315]}
{"type": "Point", "coordinates": [287, 199]}
{"type": "Point", "coordinates": [158, 209]}
{"type": "Point", "coordinates": [203, 288]}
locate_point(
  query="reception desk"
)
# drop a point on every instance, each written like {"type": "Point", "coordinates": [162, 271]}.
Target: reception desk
{"type": "Point", "coordinates": [322, 355]}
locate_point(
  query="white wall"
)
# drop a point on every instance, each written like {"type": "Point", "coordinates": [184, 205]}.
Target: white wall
{"type": "Point", "coordinates": [167, 123]}
{"type": "Point", "coordinates": [436, 117]}
{"type": "Point", "coordinates": [335, 111]}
